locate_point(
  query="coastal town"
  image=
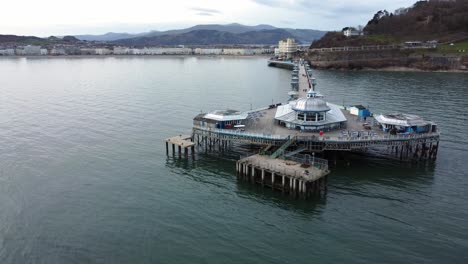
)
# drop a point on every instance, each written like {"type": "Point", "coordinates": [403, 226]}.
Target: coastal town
{"type": "Point", "coordinates": [285, 46]}
{"type": "Point", "coordinates": [64, 50]}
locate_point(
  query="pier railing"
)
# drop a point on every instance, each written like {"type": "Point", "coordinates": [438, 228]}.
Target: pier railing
{"type": "Point", "coordinates": [314, 138]}
{"type": "Point", "coordinates": [369, 138]}
{"type": "Point", "coordinates": [310, 160]}
{"type": "Point", "coordinates": [239, 133]}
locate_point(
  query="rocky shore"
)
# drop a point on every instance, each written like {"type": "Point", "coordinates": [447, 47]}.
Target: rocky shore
{"type": "Point", "coordinates": [391, 60]}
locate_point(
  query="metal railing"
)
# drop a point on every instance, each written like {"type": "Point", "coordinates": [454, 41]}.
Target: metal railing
{"type": "Point", "coordinates": [243, 134]}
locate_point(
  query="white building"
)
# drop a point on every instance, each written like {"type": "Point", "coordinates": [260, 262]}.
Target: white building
{"type": "Point", "coordinates": [19, 51]}
{"type": "Point", "coordinates": [310, 114]}
{"type": "Point", "coordinates": [121, 51]}
{"type": "Point", "coordinates": [7, 52]}
{"type": "Point", "coordinates": [58, 51]}
{"type": "Point", "coordinates": [207, 51]}
{"type": "Point", "coordinates": [103, 51]}
{"type": "Point", "coordinates": [286, 47]}
{"type": "Point", "coordinates": [30, 50]}
{"type": "Point", "coordinates": [44, 52]}
{"type": "Point", "coordinates": [350, 32]}
{"type": "Point", "coordinates": [233, 51]}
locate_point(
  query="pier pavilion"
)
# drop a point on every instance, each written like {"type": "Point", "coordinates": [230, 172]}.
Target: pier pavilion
{"type": "Point", "coordinates": [311, 113]}
{"type": "Point", "coordinates": [405, 123]}
{"type": "Point", "coordinates": [220, 119]}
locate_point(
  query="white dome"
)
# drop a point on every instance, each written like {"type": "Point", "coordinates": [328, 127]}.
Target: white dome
{"type": "Point", "coordinates": [311, 105]}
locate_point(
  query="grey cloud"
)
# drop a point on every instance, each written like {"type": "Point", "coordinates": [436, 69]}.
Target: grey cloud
{"type": "Point", "coordinates": [204, 14]}
{"type": "Point", "coordinates": [205, 11]}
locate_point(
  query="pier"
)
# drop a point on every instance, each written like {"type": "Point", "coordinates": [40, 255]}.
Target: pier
{"type": "Point", "coordinates": [182, 142]}
{"type": "Point", "coordinates": [290, 134]}
{"type": "Point", "coordinates": [285, 64]}
{"type": "Point", "coordinates": [288, 176]}
{"type": "Point", "coordinates": [354, 134]}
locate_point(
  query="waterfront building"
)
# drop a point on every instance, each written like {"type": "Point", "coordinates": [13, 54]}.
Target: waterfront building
{"type": "Point", "coordinates": [56, 51]}
{"type": "Point", "coordinates": [88, 51]}
{"type": "Point", "coordinates": [404, 123]}
{"type": "Point", "coordinates": [233, 51]}
{"type": "Point", "coordinates": [7, 52]}
{"type": "Point", "coordinates": [134, 52]}
{"type": "Point", "coordinates": [207, 51]}
{"type": "Point", "coordinates": [220, 119]}
{"type": "Point", "coordinates": [121, 51]}
{"type": "Point", "coordinates": [44, 52]}
{"type": "Point", "coordinates": [311, 113]}
{"type": "Point", "coordinates": [30, 50]}
{"type": "Point", "coordinates": [19, 51]}
{"type": "Point", "coordinates": [286, 47]}
{"type": "Point", "coordinates": [103, 51]}
{"type": "Point", "coordinates": [72, 50]}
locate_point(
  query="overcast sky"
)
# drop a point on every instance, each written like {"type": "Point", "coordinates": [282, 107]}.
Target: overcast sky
{"type": "Point", "coordinates": [60, 17]}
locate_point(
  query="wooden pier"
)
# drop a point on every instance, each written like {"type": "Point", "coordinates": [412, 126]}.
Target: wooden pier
{"type": "Point", "coordinates": [287, 176]}
{"type": "Point", "coordinates": [182, 142]}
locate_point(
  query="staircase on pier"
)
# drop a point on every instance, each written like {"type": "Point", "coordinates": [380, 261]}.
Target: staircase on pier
{"type": "Point", "coordinates": [283, 147]}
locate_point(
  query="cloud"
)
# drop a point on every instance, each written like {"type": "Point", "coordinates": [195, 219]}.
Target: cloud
{"type": "Point", "coordinates": [287, 22]}
{"type": "Point", "coordinates": [205, 11]}
{"type": "Point", "coordinates": [204, 14]}
{"type": "Point", "coordinates": [271, 3]}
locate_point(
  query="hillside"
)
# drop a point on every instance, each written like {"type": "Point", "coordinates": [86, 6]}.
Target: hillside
{"type": "Point", "coordinates": [301, 35]}
{"type": "Point", "coordinates": [210, 37]}
{"type": "Point", "coordinates": [426, 20]}
{"type": "Point", "coordinates": [8, 39]}
{"type": "Point", "coordinates": [31, 40]}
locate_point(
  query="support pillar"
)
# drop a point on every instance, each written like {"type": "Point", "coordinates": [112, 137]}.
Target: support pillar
{"type": "Point", "coordinates": [273, 180]}
{"type": "Point", "coordinates": [263, 177]}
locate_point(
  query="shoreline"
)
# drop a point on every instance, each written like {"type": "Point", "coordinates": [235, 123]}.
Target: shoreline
{"type": "Point", "coordinates": [137, 56]}
{"type": "Point", "coordinates": [394, 69]}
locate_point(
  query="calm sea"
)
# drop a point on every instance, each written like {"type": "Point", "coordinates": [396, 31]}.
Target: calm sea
{"type": "Point", "coordinates": [84, 177]}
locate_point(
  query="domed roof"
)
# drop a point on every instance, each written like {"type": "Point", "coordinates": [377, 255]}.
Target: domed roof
{"type": "Point", "coordinates": [311, 105]}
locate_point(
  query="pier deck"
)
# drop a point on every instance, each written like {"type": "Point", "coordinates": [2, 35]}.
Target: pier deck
{"type": "Point", "coordinates": [286, 167]}
{"type": "Point", "coordinates": [285, 175]}
{"type": "Point", "coordinates": [181, 141]}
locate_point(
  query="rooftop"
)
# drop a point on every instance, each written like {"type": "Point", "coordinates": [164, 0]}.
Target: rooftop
{"type": "Point", "coordinates": [226, 115]}
{"type": "Point", "coordinates": [401, 119]}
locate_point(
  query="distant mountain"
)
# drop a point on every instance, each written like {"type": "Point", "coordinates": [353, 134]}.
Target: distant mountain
{"type": "Point", "coordinates": [231, 28]}
{"type": "Point", "coordinates": [301, 35]}
{"type": "Point", "coordinates": [111, 36]}
{"type": "Point", "coordinates": [210, 37]}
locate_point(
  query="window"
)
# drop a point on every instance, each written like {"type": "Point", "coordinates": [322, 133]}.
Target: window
{"type": "Point", "coordinates": [310, 117]}
{"type": "Point", "coordinates": [321, 117]}
{"type": "Point", "coordinates": [300, 116]}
